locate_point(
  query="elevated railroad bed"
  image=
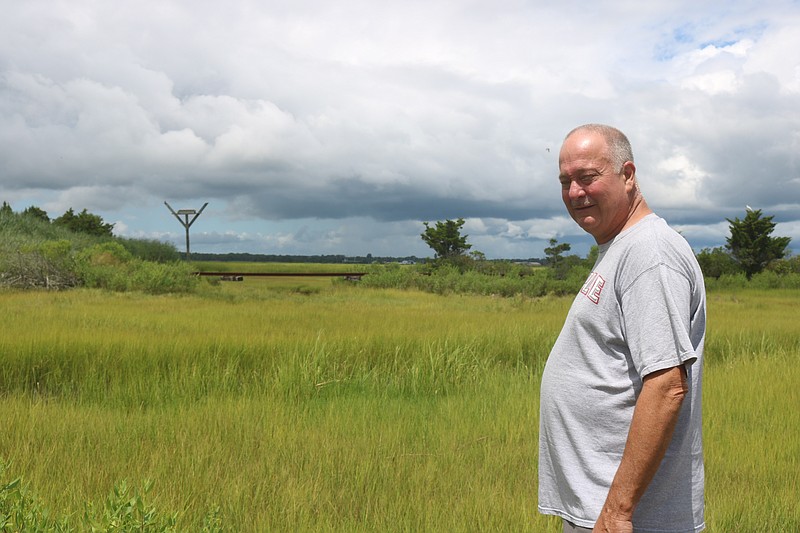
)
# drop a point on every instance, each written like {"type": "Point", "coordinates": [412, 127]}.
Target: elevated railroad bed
{"type": "Point", "coordinates": [346, 275]}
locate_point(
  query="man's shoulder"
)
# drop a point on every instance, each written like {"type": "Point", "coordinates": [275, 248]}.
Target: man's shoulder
{"type": "Point", "coordinates": [649, 244]}
{"type": "Point", "coordinates": [653, 236]}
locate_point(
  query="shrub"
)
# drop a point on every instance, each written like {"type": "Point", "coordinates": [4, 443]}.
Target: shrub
{"type": "Point", "coordinates": [504, 279]}
{"type": "Point", "coordinates": [151, 250]}
{"type": "Point", "coordinates": [391, 276]}
{"type": "Point", "coordinates": [111, 266]}
{"type": "Point", "coordinates": [47, 265]}
{"type": "Point", "coordinates": [785, 266]}
{"type": "Point", "coordinates": [716, 262]}
{"type": "Point", "coordinates": [727, 281]}
{"type": "Point", "coordinates": [106, 254]}
{"type": "Point", "coordinates": [768, 279]}
{"type": "Point", "coordinates": [105, 265]}
{"type": "Point", "coordinates": [162, 278]}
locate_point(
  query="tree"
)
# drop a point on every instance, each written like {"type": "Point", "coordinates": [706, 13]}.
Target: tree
{"type": "Point", "coordinates": [445, 238]}
{"type": "Point", "coordinates": [591, 257]}
{"type": "Point", "coordinates": [555, 260]}
{"type": "Point", "coordinates": [714, 262]}
{"type": "Point", "coordinates": [84, 222]}
{"type": "Point", "coordinates": [555, 251]}
{"type": "Point", "coordinates": [36, 212]}
{"type": "Point", "coordinates": [750, 242]}
{"type": "Point", "coordinates": [477, 256]}
{"type": "Point", "coordinates": [5, 209]}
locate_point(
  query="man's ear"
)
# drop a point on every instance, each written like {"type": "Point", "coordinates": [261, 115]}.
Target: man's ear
{"type": "Point", "coordinates": [629, 171]}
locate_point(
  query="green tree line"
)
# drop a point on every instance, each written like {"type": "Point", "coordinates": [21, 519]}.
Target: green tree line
{"type": "Point", "coordinates": [83, 222]}
{"type": "Point", "coordinates": [79, 249]}
{"type": "Point", "coordinates": [750, 249]}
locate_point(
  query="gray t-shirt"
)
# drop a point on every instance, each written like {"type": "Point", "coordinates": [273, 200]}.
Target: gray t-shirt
{"type": "Point", "coordinates": [642, 309]}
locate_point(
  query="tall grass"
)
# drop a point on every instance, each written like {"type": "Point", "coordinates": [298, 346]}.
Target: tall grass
{"type": "Point", "coordinates": [344, 409]}
{"type": "Point", "coordinates": [752, 411]}
{"type": "Point", "coordinates": [100, 347]}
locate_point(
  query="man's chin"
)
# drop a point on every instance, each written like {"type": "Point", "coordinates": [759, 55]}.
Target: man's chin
{"type": "Point", "coordinates": [585, 222]}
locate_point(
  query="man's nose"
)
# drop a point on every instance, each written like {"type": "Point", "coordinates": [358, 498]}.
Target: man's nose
{"type": "Point", "coordinates": [576, 189]}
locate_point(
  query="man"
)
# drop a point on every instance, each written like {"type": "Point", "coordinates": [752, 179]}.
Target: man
{"type": "Point", "coordinates": [620, 446]}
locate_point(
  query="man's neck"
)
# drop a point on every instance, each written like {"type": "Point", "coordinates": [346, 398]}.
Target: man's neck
{"type": "Point", "coordinates": [639, 210]}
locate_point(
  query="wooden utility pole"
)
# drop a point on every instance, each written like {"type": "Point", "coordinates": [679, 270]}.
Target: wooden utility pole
{"type": "Point", "coordinates": [185, 222]}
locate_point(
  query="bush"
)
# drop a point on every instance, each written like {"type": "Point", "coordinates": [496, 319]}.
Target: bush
{"type": "Point", "coordinates": [767, 279]}
{"type": "Point", "coordinates": [45, 265]}
{"type": "Point", "coordinates": [111, 266]}
{"type": "Point", "coordinates": [35, 253]}
{"type": "Point", "coordinates": [763, 280]}
{"type": "Point", "coordinates": [106, 254]}
{"type": "Point", "coordinates": [727, 281]}
{"type": "Point", "coordinates": [105, 266]}
{"type": "Point", "coordinates": [716, 262]}
{"type": "Point", "coordinates": [391, 276]}
{"type": "Point", "coordinates": [563, 266]}
{"type": "Point", "coordinates": [161, 278]}
{"type": "Point", "coordinates": [785, 266]}
{"type": "Point", "coordinates": [448, 278]}
{"type": "Point", "coordinates": [151, 250]}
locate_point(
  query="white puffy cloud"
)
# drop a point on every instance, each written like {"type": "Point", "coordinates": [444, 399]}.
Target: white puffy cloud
{"type": "Point", "coordinates": [316, 125]}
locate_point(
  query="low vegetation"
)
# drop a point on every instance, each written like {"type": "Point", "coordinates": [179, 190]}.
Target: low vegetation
{"type": "Point", "coordinates": [36, 253]}
{"type": "Point", "coordinates": [262, 406]}
{"type": "Point", "coordinates": [79, 251]}
{"type": "Point", "coordinates": [147, 399]}
{"type": "Point", "coordinates": [497, 278]}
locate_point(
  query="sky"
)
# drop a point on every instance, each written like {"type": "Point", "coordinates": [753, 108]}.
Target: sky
{"type": "Point", "coordinates": [318, 127]}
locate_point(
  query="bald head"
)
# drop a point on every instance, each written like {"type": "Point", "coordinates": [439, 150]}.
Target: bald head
{"type": "Point", "coordinates": [618, 145]}
{"type": "Point", "coordinates": [598, 181]}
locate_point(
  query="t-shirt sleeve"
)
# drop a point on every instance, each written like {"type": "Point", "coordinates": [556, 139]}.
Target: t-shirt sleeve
{"type": "Point", "coordinates": [656, 319]}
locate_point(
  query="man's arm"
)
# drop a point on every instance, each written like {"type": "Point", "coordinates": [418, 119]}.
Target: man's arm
{"type": "Point", "coordinates": [654, 419]}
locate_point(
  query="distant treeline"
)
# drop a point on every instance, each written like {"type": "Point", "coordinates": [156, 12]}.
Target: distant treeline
{"type": "Point", "coordinates": [271, 258]}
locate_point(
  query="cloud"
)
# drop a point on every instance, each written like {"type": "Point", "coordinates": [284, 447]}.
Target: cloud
{"type": "Point", "coordinates": [305, 123]}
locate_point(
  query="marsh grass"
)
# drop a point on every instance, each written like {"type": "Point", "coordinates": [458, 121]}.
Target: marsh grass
{"type": "Point", "coordinates": [343, 410]}
{"type": "Point", "coordinates": [347, 409]}
{"type": "Point", "coordinates": [752, 411]}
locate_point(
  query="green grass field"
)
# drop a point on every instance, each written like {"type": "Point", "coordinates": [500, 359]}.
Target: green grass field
{"type": "Point", "coordinates": [304, 404]}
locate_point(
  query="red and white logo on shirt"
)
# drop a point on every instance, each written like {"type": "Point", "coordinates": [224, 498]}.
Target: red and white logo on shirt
{"type": "Point", "coordinates": [593, 287]}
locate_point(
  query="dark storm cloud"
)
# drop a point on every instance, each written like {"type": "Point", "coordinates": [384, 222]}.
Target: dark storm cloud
{"type": "Point", "coordinates": [383, 202]}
